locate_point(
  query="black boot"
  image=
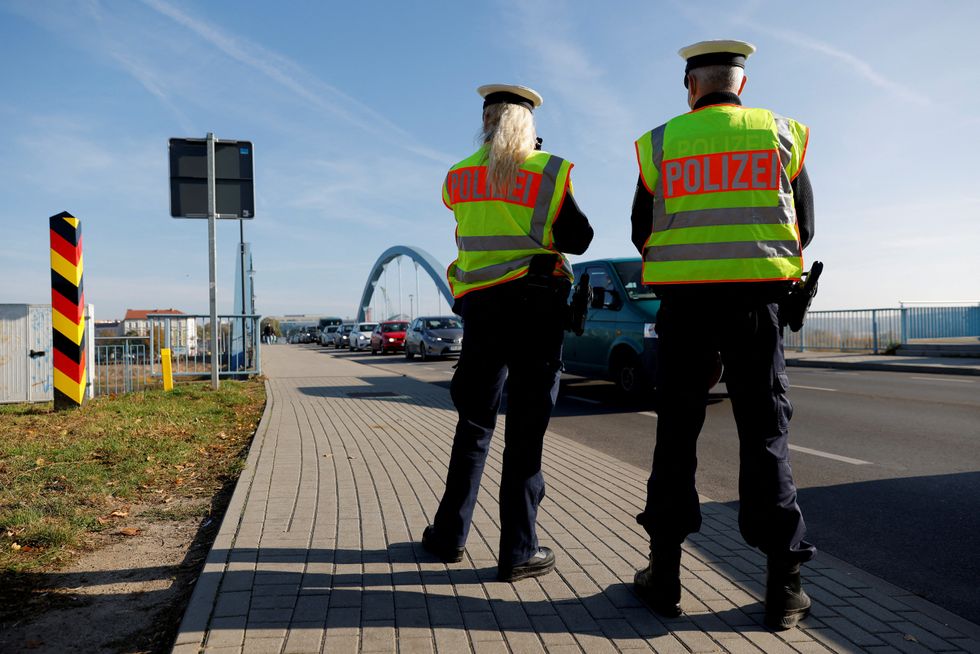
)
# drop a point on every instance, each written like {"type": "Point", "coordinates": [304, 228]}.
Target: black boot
{"type": "Point", "coordinates": [445, 553]}
{"type": "Point", "coordinates": [659, 584]}
{"type": "Point", "coordinates": [786, 601]}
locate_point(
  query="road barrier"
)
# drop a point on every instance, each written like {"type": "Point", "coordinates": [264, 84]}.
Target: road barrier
{"type": "Point", "coordinates": [878, 330]}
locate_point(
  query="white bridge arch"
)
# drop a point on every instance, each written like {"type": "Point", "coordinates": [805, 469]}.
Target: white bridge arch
{"type": "Point", "coordinates": [425, 261]}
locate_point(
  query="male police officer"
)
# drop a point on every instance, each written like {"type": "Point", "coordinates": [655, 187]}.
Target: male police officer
{"type": "Point", "coordinates": [514, 215]}
{"type": "Point", "coordinates": [722, 211]}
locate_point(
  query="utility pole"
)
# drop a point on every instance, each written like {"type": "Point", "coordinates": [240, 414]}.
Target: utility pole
{"type": "Point", "coordinates": [417, 286]}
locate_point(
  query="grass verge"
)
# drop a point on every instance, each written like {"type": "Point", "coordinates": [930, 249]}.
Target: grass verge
{"type": "Point", "coordinates": [67, 477]}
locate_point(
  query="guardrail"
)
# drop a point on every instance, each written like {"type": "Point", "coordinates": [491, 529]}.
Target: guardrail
{"type": "Point", "coordinates": [877, 330]}
{"type": "Point", "coordinates": [189, 338]}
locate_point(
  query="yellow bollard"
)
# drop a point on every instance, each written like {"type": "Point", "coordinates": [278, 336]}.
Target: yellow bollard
{"type": "Point", "coordinates": [168, 375]}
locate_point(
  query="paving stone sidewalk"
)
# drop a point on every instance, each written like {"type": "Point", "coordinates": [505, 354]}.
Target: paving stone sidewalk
{"type": "Point", "coordinates": [319, 549]}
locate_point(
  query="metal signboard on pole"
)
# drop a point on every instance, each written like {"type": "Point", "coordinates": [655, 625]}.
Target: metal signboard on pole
{"type": "Point", "coordinates": [211, 178]}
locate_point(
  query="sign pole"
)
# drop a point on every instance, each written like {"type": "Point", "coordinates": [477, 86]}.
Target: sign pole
{"type": "Point", "coordinates": [241, 255]}
{"type": "Point", "coordinates": [212, 262]}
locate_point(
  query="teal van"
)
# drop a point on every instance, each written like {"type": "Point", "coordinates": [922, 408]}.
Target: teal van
{"type": "Point", "coordinates": [619, 342]}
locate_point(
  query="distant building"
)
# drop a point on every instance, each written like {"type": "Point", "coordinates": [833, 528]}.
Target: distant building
{"type": "Point", "coordinates": [108, 328]}
{"type": "Point", "coordinates": [183, 331]}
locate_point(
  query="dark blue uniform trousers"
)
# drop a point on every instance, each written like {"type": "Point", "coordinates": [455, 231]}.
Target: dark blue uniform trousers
{"type": "Point", "coordinates": [511, 335]}
{"type": "Point", "coordinates": [748, 336]}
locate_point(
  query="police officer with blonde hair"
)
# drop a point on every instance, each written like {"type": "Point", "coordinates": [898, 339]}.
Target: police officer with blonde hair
{"type": "Point", "coordinates": [722, 211]}
{"type": "Point", "coordinates": [515, 216]}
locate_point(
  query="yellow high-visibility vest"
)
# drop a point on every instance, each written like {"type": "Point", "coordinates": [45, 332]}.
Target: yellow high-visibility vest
{"type": "Point", "coordinates": [722, 197]}
{"type": "Point", "coordinates": [498, 233]}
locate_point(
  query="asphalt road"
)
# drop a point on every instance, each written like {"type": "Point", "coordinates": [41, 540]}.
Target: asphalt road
{"type": "Point", "coordinates": [888, 464]}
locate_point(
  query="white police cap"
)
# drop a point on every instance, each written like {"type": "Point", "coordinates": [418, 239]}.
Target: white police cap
{"type": "Point", "coordinates": [725, 52]}
{"type": "Point", "coordinates": [511, 94]}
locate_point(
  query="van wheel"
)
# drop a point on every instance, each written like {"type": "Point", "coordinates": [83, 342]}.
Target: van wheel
{"type": "Point", "coordinates": [629, 376]}
{"type": "Point", "coordinates": [422, 354]}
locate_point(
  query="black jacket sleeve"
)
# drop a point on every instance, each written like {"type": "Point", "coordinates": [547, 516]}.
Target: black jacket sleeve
{"type": "Point", "coordinates": [803, 200]}
{"type": "Point", "coordinates": [642, 215]}
{"type": "Point", "coordinates": [571, 231]}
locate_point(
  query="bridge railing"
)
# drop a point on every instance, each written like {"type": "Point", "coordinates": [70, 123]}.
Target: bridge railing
{"type": "Point", "coordinates": [877, 330]}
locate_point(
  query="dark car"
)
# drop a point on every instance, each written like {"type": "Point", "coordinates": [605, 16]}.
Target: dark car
{"type": "Point", "coordinates": [434, 336]}
{"type": "Point", "coordinates": [341, 337]}
{"type": "Point", "coordinates": [389, 336]}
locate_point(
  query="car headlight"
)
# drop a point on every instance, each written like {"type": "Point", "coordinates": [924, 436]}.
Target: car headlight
{"type": "Point", "coordinates": [391, 340]}
{"type": "Point", "coordinates": [650, 330]}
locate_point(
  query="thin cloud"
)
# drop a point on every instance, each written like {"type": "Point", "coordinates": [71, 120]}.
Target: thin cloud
{"type": "Point", "coordinates": [148, 78]}
{"type": "Point", "coordinates": [568, 68]}
{"type": "Point", "coordinates": [292, 77]}
{"type": "Point", "coordinates": [854, 63]}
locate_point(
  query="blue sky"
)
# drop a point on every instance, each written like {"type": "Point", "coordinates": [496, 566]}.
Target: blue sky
{"type": "Point", "coordinates": [357, 109]}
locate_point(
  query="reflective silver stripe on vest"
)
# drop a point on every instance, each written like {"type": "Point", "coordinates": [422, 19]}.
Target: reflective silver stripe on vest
{"type": "Point", "coordinates": [715, 217]}
{"type": "Point", "coordinates": [786, 143]}
{"type": "Point", "coordinates": [726, 250]}
{"type": "Point", "coordinates": [490, 273]}
{"type": "Point", "coordinates": [546, 191]}
{"type": "Point", "coordinates": [493, 243]}
{"type": "Point", "coordinates": [657, 143]}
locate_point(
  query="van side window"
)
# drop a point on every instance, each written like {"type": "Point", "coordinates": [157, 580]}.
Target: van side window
{"type": "Point", "coordinates": [600, 279]}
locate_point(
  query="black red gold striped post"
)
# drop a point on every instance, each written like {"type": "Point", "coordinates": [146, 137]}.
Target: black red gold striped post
{"type": "Point", "coordinates": [67, 311]}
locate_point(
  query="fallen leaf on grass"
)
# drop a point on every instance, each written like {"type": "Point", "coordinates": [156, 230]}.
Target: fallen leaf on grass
{"type": "Point", "coordinates": [15, 546]}
{"type": "Point", "coordinates": [119, 514]}
{"type": "Point", "coordinates": [129, 531]}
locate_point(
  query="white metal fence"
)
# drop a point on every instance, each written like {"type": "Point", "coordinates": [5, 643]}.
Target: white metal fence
{"type": "Point", "coordinates": [877, 330]}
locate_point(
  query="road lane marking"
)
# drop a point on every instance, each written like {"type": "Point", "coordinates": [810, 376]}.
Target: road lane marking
{"type": "Point", "coordinates": [582, 399]}
{"type": "Point", "coordinates": [652, 414]}
{"type": "Point", "coordinates": [813, 388]}
{"type": "Point", "coordinates": [828, 455]}
{"type": "Point", "coordinates": [942, 379]}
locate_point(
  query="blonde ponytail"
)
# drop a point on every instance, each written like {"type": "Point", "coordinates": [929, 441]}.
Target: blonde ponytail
{"type": "Point", "coordinates": [508, 129]}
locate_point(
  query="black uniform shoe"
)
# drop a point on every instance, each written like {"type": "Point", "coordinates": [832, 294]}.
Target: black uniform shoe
{"type": "Point", "coordinates": [659, 584]}
{"type": "Point", "coordinates": [446, 553]}
{"type": "Point", "coordinates": [541, 563]}
{"type": "Point", "coordinates": [786, 601]}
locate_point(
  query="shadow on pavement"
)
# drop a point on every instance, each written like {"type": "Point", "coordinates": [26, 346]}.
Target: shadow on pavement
{"type": "Point", "coordinates": [920, 533]}
{"type": "Point", "coordinates": [396, 390]}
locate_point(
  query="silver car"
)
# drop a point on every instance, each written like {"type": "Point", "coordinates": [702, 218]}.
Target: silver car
{"type": "Point", "coordinates": [360, 336]}
{"type": "Point", "coordinates": [326, 336]}
{"type": "Point", "coordinates": [434, 336]}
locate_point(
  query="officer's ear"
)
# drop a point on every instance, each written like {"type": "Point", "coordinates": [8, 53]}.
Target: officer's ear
{"type": "Point", "coordinates": [745, 78]}
{"type": "Point", "coordinates": [692, 90]}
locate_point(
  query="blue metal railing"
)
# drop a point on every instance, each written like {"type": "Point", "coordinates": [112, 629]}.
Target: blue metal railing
{"type": "Point", "coordinates": [876, 330]}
